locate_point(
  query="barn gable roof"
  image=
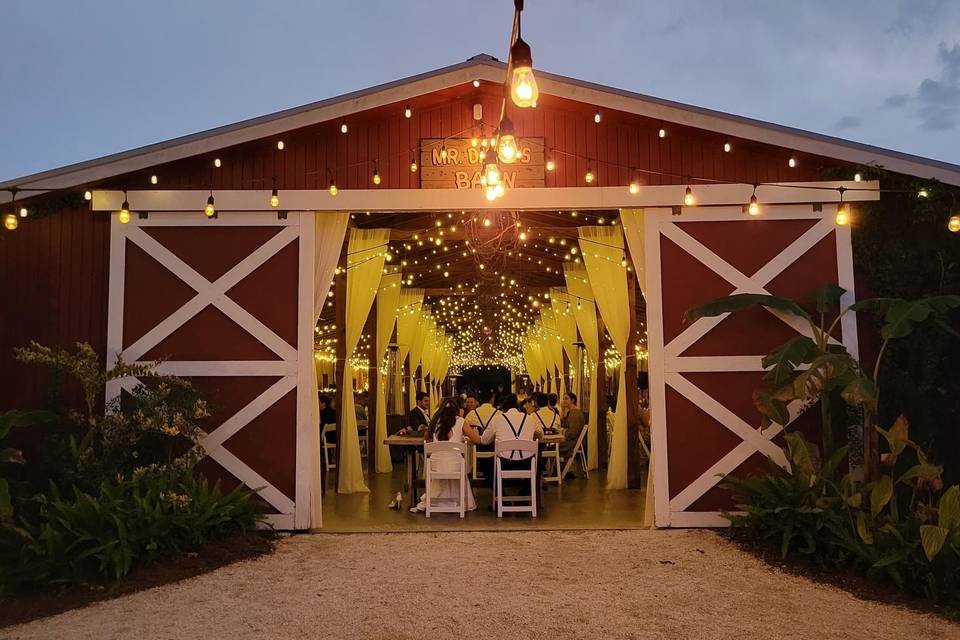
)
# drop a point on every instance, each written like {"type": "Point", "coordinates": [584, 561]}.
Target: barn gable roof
{"type": "Point", "coordinates": [485, 68]}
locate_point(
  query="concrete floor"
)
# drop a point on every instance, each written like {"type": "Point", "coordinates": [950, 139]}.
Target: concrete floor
{"type": "Point", "coordinates": [579, 504]}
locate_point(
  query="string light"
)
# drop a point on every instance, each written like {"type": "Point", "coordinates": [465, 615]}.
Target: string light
{"type": "Point", "coordinates": [507, 147]}
{"type": "Point", "coordinates": [953, 224]}
{"type": "Point", "coordinates": [23, 212]}
{"type": "Point", "coordinates": [492, 173]}
{"type": "Point", "coordinates": [688, 198]}
{"type": "Point", "coordinates": [792, 162]}
{"type": "Point", "coordinates": [857, 177]}
{"type": "Point", "coordinates": [923, 193]}
{"type": "Point", "coordinates": [727, 147]}
{"type": "Point", "coordinates": [407, 112]}
{"type": "Point", "coordinates": [413, 164]}
{"type": "Point", "coordinates": [10, 222]}
{"type": "Point", "coordinates": [843, 211]}
{"type": "Point", "coordinates": [333, 187]}
{"type": "Point", "coordinates": [376, 174]}
{"type": "Point", "coordinates": [124, 214]}
{"type": "Point", "coordinates": [662, 133]}
{"type": "Point", "coordinates": [88, 195]}
{"type": "Point", "coordinates": [551, 165]}
{"type": "Point", "coordinates": [343, 127]}
{"type": "Point", "coordinates": [217, 163]}
{"type": "Point", "coordinates": [596, 117]}
{"type": "Point", "coordinates": [754, 207]}
{"type": "Point", "coordinates": [210, 210]}
{"type": "Point", "coordinates": [154, 179]}
{"type": "Point", "coordinates": [588, 177]}
{"type": "Point", "coordinates": [274, 198]}
{"type": "Point", "coordinates": [279, 145]}
{"type": "Point", "coordinates": [634, 187]}
{"type": "Point", "coordinates": [523, 85]}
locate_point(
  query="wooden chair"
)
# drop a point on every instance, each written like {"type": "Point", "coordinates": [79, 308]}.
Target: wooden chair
{"type": "Point", "coordinates": [460, 475]}
{"type": "Point", "coordinates": [578, 452]}
{"type": "Point", "coordinates": [329, 446]}
{"type": "Point", "coordinates": [503, 450]}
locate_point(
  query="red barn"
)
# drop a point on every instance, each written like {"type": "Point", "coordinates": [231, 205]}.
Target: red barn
{"type": "Point", "coordinates": [230, 302]}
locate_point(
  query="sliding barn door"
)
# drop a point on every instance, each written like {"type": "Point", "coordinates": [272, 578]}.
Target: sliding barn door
{"type": "Point", "coordinates": [228, 304]}
{"type": "Point", "coordinates": [702, 374]}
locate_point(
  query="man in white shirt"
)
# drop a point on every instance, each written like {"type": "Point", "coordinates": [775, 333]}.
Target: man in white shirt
{"type": "Point", "coordinates": [479, 418]}
{"type": "Point", "coordinates": [511, 424]}
{"type": "Point", "coordinates": [546, 417]}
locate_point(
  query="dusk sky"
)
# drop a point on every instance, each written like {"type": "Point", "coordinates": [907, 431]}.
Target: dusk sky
{"type": "Point", "coordinates": [79, 80]}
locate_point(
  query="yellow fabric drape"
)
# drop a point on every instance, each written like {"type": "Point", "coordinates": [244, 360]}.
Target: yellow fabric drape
{"type": "Point", "coordinates": [416, 350]}
{"type": "Point", "coordinates": [388, 299]}
{"type": "Point", "coordinates": [366, 256]}
{"type": "Point", "coordinates": [563, 312]}
{"type": "Point", "coordinates": [553, 346]}
{"type": "Point", "coordinates": [602, 249]}
{"type": "Point", "coordinates": [585, 314]}
{"type": "Point", "coordinates": [329, 232]}
{"type": "Point", "coordinates": [410, 302]}
{"type": "Point", "coordinates": [633, 230]}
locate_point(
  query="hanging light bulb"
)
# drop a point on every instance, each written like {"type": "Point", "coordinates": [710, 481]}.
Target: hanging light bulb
{"type": "Point", "coordinates": [688, 198]}
{"type": "Point", "coordinates": [923, 193]}
{"type": "Point", "coordinates": [634, 187]}
{"type": "Point", "coordinates": [343, 127]}
{"type": "Point", "coordinates": [507, 146]}
{"type": "Point", "coordinates": [491, 195]}
{"type": "Point", "coordinates": [376, 175]}
{"type": "Point", "coordinates": [274, 198]}
{"type": "Point", "coordinates": [499, 189]}
{"type": "Point", "coordinates": [792, 162]}
{"type": "Point", "coordinates": [727, 147]}
{"type": "Point", "coordinates": [596, 117]}
{"type": "Point", "coordinates": [333, 187]}
{"type": "Point", "coordinates": [413, 164]}
{"type": "Point", "coordinates": [588, 177]}
{"type": "Point", "coordinates": [857, 177]}
{"type": "Point", "coordinates": [843, 214]}
{"type": "Point", "coordinates": [407, 112]}
{"type": "Point", "coordinates": [551, 165]}
{"type": "Point", "coordinates": [88, 195]}
{"type": "Point", "coordinates": [10, 222]}
{"type": "Point", "coordinates": [953, 224]}
{"type": "Point", "coordinates": [492, 173]}
{"type": "Point", "coordinates": [210, 210]}
{"type": "Point", "coordinates": [474, 141]}
{"type": "Point", "coordinates": [662, 133]}
{"type": "Point", "coordinates": [154, 179]}
{"type": "Point", "coordinates": [754, 207]}
{"type": "Point", "coordinates": [623, 261]}
{"type": "Point", "coordinates": [523, 85]}
{"type": "Point", "coordinates": [23, 212]}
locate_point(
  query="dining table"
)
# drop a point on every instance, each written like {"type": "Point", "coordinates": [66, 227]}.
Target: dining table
{"type": "Point", "coordinates": [411, 445]}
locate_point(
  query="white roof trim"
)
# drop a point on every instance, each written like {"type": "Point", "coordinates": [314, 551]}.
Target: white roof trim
{"type": "Point", "coordinates": [487, 68]}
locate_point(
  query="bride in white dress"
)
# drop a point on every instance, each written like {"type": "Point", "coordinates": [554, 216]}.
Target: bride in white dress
{"type": "Point", "coordinates": [448, 425]}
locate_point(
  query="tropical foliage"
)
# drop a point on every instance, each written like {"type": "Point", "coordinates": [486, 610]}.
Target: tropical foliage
{"type": "Point", "coordinates": [112, 488]}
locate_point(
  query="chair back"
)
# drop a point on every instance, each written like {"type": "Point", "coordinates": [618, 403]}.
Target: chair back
{"type": "Point", "coordinates": [330, 428]}
{"type": "Point", "coordinates": [504, 448]}
{"type": "Point", "coordinates": [430, 448]}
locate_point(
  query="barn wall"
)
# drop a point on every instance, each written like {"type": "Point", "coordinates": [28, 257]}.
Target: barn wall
{"type": "Point", "coordinates": [54, 267]}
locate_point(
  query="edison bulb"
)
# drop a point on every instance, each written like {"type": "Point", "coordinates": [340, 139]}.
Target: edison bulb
{"type": "Point", "coordinates": [407, 112]}
{"type": "Point", "coordinates": [954, 223]}
{"type": "Point", "coordinates": [10, 221]}
{"type": "Point", "coordinates": [492, 174]}
{"type": "Point", "coordinates": [688, 197]}
{"type": "Point", "coordinates": [210, 210]}
{"type": "Point", "coordinates": [507, 150]}
{"type": "Point", "coordinates": [23, 212]}
{"type": "Point", "coordinates": [376, 177]}
{"type": "Point", "coordinates": [499, 189]}
{"type": "Point", "coordinates": [154, 179]}
{"type": "Point", "coordinates": [413, 166]}
{"type": "Point", "coordinates": [88, 196]}
{"type": "Point", "coordinates": [491, 194]}
{"type": "Point", "coordinates": [217, 163]}
{"type": "Point", "coordinates": [792, 162]}
{"type": "Point", "coordinates": [551, 165]}
{"type": "Point", "coordinates": [343, 127]}
{"type": "Point", "coordinates": [588, 178]}
{"type": "Point", "coordinates": [333, 188]}
{"type": "Point", "coordinates": [727, 148]}
{"type": "Point", "coordinates": [857, 177]}
{"type": "Point", "coordinates": [754, 207]}
{"type": "Point", "coordinates": [843, 215]}
{"type": "Point", "coordinates": [634, 187]}
{"type": "Point", "coordinates": [662, 133]}
{"type": "Point", "coordinates": [280, 145]}
{"type": "Point", "coordinates": [523, 87]}
{"type": "Point", "coordinates": [274, 199]}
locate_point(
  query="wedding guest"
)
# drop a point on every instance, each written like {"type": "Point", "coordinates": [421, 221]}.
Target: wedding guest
{"type": "Point", "coordinates": [552, 400]}
{"type": "Point", "coordinates": [448, 425]}
{"type": "Point", "coordinates": [420, 414]}
{"type": "Point", "coordinates": [509, 423]}
{"type": "Point", "coordinates": [328, 415]}
{"type": "Point", "coordinates": [547, 416]}
{"type": "Point", "coordinates": [571, 424]}
{"type": "Point", "coordinates": [479, 418]}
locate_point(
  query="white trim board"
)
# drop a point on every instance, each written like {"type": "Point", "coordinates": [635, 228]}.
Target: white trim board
{"type": "Point", "coordinates": [487, 69]}
{"type": "Point", "coordinates": [581, 198]}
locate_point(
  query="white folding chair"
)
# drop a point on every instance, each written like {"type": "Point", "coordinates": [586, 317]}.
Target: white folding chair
{"type": "Point", "coordinates": [432, 475]}
{"type": "Point", "coordinates": [363, 433]}
{"type": "Point", "coordinates": [328, 446]}
{"type": "Point", "coordinates": [578, 452]}
{"type": "Point", "coordinates": [503, 450]}
{"type": "Point", "coordinates": [551, 453]}
{"type": "Point", "coordinates": [478, 454]}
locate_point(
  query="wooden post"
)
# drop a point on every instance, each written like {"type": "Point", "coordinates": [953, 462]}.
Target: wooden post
{"type": "Point", "coordinates": [341, 364]}
{"type": "Point", "coordinates": [600, 371]}
{"type": "Point", "coordinates": [373, 385]}
{"type": "Point", "coordinates": [634, 477]}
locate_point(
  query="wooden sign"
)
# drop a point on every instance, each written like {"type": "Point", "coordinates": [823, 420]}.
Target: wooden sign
{"type": "Point", "coordinates": [462, 166]}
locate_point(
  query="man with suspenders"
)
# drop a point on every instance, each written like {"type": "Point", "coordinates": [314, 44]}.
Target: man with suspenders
{"type": "Point", "coordinates": [480, 418]}
{"type": "Point", "coordinates": [509, 423]}
{"type": "Point", "coordinates": [546, 416]}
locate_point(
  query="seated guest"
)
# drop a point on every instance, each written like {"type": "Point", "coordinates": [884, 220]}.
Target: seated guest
{"type": "Point", "coordinates": [529, 405]}
{"type": "Point", "coordinates": [469, 403]}
{"type": "Point", "coordinates": [552, 400]}
{"type": "Point", "coordinates": [545, 415]}
{"type": "Point", "coordinates": [360, 406]}
{"type": "Point", "coordinates": [420, 414]}
{"type": "Point", "coordinates": [571, 423]}
{"type": "Point", "coordinates": [509, 423]}
{"type": "Point", "coordinates": [479, 418]}
{"type": "Point", "coordinates": [448, 425]}
{"type": "Point", "coordinates": [328, 415]}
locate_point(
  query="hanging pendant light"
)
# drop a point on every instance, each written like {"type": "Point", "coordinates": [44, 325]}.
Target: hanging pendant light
{"type": "Point", "coordinates": [10, 222]}
{"type": "Point", "coordinates": [523, 85]}
{"type": "Point", "coordinates": [274, 198]}
{"type": "Point", "coordinates": [210, 210]}
{"type": "Point", "coordinates": [507, 146]}
{"type": "Point", "coordinates": [688, 198]}
{"type": "Point", "coordinates": [953, 224]}
{"type": "Point", "coordinates": [754, 207]}
{"type": "Point", "coordinates": [492, 173]}
{"type": "Point", "coordinates": [124, 214]}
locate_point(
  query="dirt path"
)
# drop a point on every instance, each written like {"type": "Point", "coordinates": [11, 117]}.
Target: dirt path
{"type": "Point", "coordinates": [626, 584]}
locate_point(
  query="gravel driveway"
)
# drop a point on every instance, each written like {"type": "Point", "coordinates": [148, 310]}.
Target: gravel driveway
{"type": "Point", "coordinates": [536, 584]}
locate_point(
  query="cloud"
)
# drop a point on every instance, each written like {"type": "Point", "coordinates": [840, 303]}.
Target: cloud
{"type": "Point", "coordinates": [918, 17]}
{"type": "Point", "coordinates": [897, 100]}
{"type": "Point", "coordinates": [848, 122]}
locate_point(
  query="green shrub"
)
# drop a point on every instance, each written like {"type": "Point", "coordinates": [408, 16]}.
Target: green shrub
{"type": "Point", "coordinates": [93, 537]}
{"type": "Point", "coordinates": [902, 528]}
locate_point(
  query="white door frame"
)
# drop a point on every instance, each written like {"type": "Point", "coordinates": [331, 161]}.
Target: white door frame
{"type": "Point", "coordinates": [666, 364]}
{"type": "Point", "coordinates": [294, 363]}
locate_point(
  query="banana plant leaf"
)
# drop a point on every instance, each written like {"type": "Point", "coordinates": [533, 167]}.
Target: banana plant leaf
{"type": "Point", "coordinates": [781, 363]}
{"type": "Point", "coordinates": [826, 372]}
{"type": "Point", "coordinates": [901, 317]}
{"type": "Point", "coordinates": [825, 298]}
{"type": "Point", "coordinates": [740, 301]}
